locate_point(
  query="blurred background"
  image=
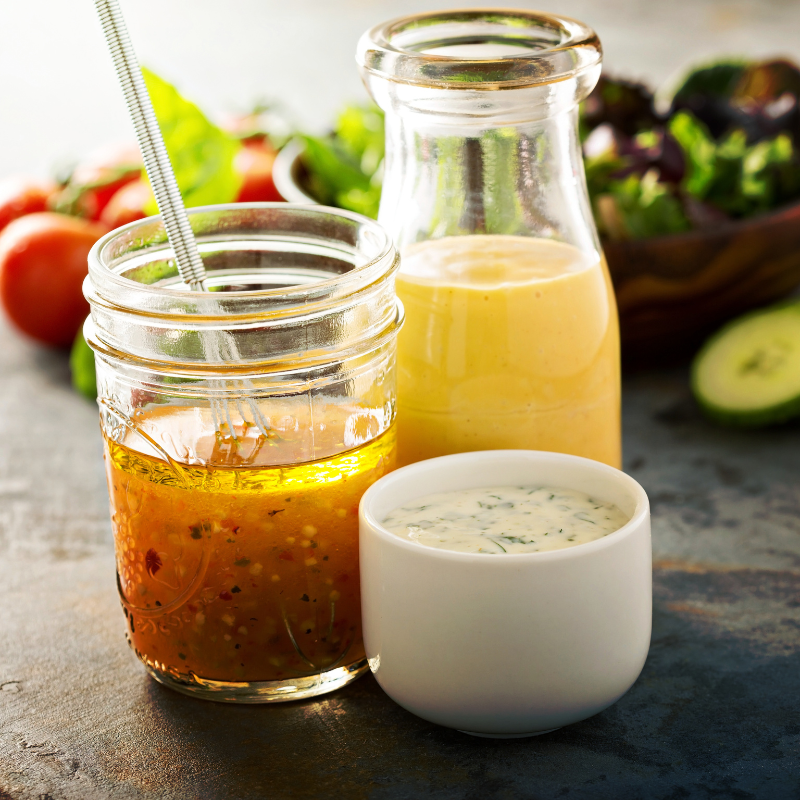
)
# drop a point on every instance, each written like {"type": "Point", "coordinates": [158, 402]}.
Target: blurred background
{"type": "Point", "coordinates": [61, 98]}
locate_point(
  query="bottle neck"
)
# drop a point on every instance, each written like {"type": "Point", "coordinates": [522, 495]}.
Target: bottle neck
{"type": "Point", "coordinates": [467, 162]}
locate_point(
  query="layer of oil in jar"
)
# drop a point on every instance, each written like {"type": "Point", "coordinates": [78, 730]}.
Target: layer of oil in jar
{"type": "Point", "coordinates": [509, 342]}
{"type": "Point", "coordinates": [242, 573]}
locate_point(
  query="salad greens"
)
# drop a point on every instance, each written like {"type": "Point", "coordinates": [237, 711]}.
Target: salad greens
{"type": "Point", "coordinates": [345, 168]}
{"type": "Point", "coordinates": [637, 207]}
{"type": "Point", "coordinates": [738, 178]}
{"type": "Point", "coordinates": [726, 147]}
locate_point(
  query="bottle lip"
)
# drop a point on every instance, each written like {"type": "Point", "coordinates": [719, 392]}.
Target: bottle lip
{"type": "Point", "coordinates": [523, 48]}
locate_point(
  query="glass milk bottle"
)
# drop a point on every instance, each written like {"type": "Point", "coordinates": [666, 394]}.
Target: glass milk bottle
{"type": "Point", "coordinates": [511, 337]}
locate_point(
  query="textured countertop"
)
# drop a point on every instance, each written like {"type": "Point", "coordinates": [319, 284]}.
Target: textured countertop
{"type": "Point", "coordinates": [713, 715]}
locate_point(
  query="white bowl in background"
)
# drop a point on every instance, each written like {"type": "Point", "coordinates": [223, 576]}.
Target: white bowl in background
{"type": "Point", "coordinates": [287, 174]}
{"type": "Point", "coordinates": [506, 645]}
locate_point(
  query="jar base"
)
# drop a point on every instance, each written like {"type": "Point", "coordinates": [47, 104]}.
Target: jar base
{"type": "Point", "coordinates": [262, 691]}
{"type": "Point", "coordinates": [508, 735]}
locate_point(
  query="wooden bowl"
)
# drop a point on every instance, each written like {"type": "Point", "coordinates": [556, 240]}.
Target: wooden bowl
{"type": "Point", "coordinates": [672, 291]}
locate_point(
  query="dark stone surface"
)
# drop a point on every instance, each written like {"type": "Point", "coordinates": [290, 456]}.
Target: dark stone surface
{"type": "Point", "coordinates": [713, 715]}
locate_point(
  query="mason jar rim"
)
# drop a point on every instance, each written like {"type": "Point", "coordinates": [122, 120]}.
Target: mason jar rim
{"type": "Point", "coordinates": [556, 48]}
{"type": "Point", "coordinates": [330, 291]}
{"type": "Point", "coordinates": [104, 284]}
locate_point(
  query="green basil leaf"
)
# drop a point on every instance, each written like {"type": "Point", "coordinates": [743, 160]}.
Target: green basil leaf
{"type": "Point", "coordinates": [333, 170]}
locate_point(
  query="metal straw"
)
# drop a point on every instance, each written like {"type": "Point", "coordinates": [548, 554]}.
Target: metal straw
{"type": "Point", "coordinates": [168, 195]}
{"type": "Point", "coordinates": [151, 143]}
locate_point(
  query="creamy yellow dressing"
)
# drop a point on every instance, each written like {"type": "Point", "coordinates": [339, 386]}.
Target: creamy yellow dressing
{"type": "Point", "coordinates": [509, 342]}
{"type": "Point", "coordinates": [505, 519]}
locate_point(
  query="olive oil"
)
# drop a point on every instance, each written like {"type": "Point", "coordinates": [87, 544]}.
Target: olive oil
{"type": "Point", "coordinates": [242, 573]}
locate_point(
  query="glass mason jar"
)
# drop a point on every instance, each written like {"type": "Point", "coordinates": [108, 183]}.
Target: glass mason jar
{"type": "Point", "coordinates": [511, 337]}
{"type": "Point", "coordinates": [241, 427]}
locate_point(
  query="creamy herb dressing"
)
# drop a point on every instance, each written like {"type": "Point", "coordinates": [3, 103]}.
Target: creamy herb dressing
{"type": "Point", "coordinates": [505, 519]}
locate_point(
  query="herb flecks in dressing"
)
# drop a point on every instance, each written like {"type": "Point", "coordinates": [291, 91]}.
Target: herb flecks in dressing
{"type": "Point", "coordinates": [506, 519]}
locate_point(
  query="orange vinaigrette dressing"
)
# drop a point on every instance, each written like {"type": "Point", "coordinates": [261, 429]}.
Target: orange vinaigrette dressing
{"type": "Point", "coordinates": [242, 573]}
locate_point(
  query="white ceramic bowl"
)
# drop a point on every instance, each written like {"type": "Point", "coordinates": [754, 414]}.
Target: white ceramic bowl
{"type": "Point", "coordinates": [506, 645]}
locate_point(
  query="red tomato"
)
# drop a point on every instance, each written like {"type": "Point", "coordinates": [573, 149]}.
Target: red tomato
{"type": "Point", "coordinates": [43, 261]}
{"type": "Point", "coordinates": [95, 181]}
{"type": "Point", "coordinates": [20, 196]}
{"type": "Point", "coordinates": [254, 164]}
{"type": "Point", "coordinates": [96, 199]}
{"type": "Point", "coordinates": [127, 205]}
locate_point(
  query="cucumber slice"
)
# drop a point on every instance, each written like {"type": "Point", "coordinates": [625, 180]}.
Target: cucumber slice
{"type": "Point", "coordinates": [748, 374]}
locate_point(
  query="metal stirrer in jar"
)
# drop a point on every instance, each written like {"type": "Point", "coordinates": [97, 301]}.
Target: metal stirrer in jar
{"type": "Point", "coordinates": [165, 187]}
